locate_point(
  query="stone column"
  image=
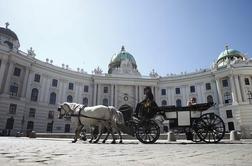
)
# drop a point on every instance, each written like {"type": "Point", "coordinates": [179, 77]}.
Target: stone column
{"type": "Point", "coordinates": [136, 95]}
{"type": "Point", "coordinates": [98, 94]}
{"type": "Point", "coordinates": [112, 94]}
{"type": "Point", "coordinates": [43, 82]}
{"type": "Point", "coordinates": [94, 94]}
{"type": "Point", "coordinates": [173, 96]}
{"type": "Point", "coordinates": [2, 71]}
{"type": "Point", "coordinates": [61, 89]}
{"type": "Point", "coordinates": [215, 94]}
{"type": "Point", "coordinates": [233, 91]}
{"type": "Point", "coordinates": [239, 97]}
{"type": "Point", "coordinates": [46, 94]}
{"type": "Point", "coordinates": [116, 95]}
{"type": "Point", "coordinates": [25, 82]}
{"type": "Point", "coordinates": [76, 96]}
{"type": "Point", "coordinates": [243, 94]}
{"type": "Point", "coordinates": [219, 91]}
{"type": "Point", "coordinates": [141, 93]}
{"type": "Point", "coordinates": [187, 92]}
{"type": "Point", "coordinates": [155, 93]}
{"type": "Point", "coordinates": [184, 98]}
{"type": "Point", "coordinates": [9, 74]}
{"type": "Point", "coordinates": [202, 92]}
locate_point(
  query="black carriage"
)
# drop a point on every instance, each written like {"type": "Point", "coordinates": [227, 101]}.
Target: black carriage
{"type": "Point", "coordinates": [207, 127]}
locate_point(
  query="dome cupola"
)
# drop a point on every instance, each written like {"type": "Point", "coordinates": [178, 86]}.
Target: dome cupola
{"type": "Point", "coordinates": [8, 38]}
{"type": "Point", "coordinates": [229, 55]}
{"type": "Point", "coordinates": [122, 60]}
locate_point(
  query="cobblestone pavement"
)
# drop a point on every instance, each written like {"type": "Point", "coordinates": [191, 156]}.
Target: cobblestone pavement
{"type": "Point", "coordinates": [26, 151]}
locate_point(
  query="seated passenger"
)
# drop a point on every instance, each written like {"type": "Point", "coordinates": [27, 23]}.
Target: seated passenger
{"type": "Point", "coordinates": [147, 108]}
{"type": "Point", "coordinates": [192, 101]}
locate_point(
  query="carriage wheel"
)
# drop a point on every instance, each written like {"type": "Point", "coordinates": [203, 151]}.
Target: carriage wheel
{"type": "Point", "coordinates": [147, 132]}
{"type": "Point", "coordinates": [195, 137]}
{"type": "Point", "coordinates": [210, 128]}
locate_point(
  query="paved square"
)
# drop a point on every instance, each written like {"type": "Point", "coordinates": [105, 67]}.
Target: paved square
{"type": "Point", "coordinates": [26, 151]}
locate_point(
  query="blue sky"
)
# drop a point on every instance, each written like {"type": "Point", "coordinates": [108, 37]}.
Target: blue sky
{"type": "Point", "coordinates": [170, 36]}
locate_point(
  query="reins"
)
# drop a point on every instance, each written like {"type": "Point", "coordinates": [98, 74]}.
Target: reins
{"type": "Point", "coordinates": [84, 116]}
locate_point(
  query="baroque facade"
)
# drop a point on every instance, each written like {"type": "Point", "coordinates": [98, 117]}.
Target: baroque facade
{"type": "Point", "coordinates": [31, 89]}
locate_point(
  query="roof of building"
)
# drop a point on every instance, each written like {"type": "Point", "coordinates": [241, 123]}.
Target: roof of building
{"type": "Point", "coordinates": [8, 32]}
{"type": "Point", "coordinates": [229, 53]}
{"type": "Point", "coordinates": [118, 58]}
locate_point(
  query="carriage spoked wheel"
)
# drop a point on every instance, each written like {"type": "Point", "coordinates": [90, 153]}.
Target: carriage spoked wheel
{"type": "Point", "coordinates": [147, 131]}
{"type": "Point", "coordinates": [210, 128]}
{"type": "Point", "coordinates": [195, 137]}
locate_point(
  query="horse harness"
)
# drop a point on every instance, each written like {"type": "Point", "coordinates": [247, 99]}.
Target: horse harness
{"type": "Point", "coordinates": [79, 115]}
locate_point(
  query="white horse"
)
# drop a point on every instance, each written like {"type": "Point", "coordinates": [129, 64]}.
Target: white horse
{"type": "Point", "coordinates": [101, 116]}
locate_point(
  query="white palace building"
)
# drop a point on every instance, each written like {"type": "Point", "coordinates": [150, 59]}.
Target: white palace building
{"type": "Point", "coordinates": [31, 89]}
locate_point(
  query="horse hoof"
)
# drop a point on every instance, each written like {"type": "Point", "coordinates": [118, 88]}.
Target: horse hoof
{"type": "Point", "coordinates": [120, 142]}
{"type": "Point", "coordinates": [103, 142]}
{"type": "Point", "coordinates": [95, 142]}
{"type": "Point", "coordinates": [74, 141]}
{"type": "Point", "coordinates": [113, 142]}
{"type": "Point", "coordinates": [84, 139]}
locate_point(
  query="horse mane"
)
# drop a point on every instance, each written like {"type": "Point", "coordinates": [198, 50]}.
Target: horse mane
{"type": "Point", "coordinates": [72, 106]}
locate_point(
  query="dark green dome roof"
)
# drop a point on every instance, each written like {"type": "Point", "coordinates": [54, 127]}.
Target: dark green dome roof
{"type": "Point", "coordinates": [229, 53]}
{"type": "Point", "coordinates": [118, 58]}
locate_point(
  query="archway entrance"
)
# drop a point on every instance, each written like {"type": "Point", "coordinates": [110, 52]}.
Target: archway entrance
{"type": "Point", "coordinates": [127, 111]}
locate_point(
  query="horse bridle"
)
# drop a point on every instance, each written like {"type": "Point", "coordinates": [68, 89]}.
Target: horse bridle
{"type": "Point", "coordinates": [66, 114]}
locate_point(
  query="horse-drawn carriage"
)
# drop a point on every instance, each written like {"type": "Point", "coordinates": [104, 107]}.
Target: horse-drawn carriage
{"type": "Point", "coordinates": [208, 127]}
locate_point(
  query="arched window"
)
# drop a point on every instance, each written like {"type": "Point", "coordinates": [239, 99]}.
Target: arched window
{"type": "Point", "coordinates": [52, 98]}
{"type": "Point", "coordinates": [85, 101]}
{"type": "Point", "coordinates": [105, 102]}
{"type": "Point", "coordinates": [178, 103]}
{"type": "Point", "coordinates": [69, 99]}
{"type": "Point", "coordinates": [209, 99]}
{"type": "Point", "coordinates": [34, 94]}
{"type": "Point", "coordinates": [164, 103]}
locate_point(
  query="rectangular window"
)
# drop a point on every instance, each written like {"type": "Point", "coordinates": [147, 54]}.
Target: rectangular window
{"type": "Point", "coordinates": [17, 72]}
{"type": "Point", "coordinates": [192, 89]}
{"type": "Point", "coordinates": [163, 92]}
{"type": "Point", "coordinates": [229, 113]}
{"type": "Point", "coordinates": [70, 86]}
{"type": "Point", "coordinates": [85, 88]}
{"type": "Point", "coordinates": [225, 83]}
{"type": "Point", "coordinates": [32, 112]}
{"type": "Point", "coordinates": [14, 90]}
{"type": "Point", "coordinates": [105, 89]}
{"type": "Point", "coordinates": [37, 78]}
{"type": "Point", "coordinates": [208, 86]}
{"type": "Point", "coordinates": [12, 109]}
{"type": "Point", "coordinates": [54, 83]}
{"type": "Point", "coordinates": [177, 90]}
{"type": "Point", "coordinates": [231, 126]}
{"type": "Point", "coordinates": [50, 115]}
{"type": "Point", "coordinates": [246, 81]}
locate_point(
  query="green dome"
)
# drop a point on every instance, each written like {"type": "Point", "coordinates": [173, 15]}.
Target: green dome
{"type": "Point", "coordinates": [118, 58]}
{"type": "Point", "coordinates": [229, 53]}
